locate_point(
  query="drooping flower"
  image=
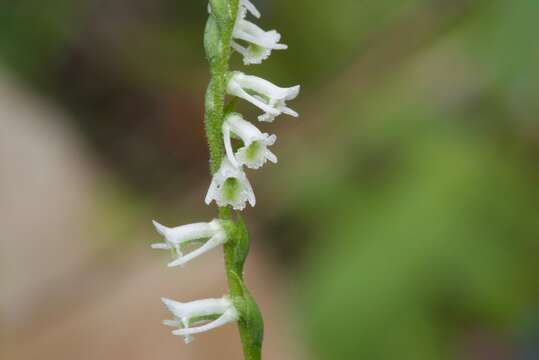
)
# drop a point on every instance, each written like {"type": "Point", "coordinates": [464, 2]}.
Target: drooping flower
{"type": "Point", "coordinates": [262, 93]}
{"type": "Point", "coordinates": [212, 235]}
{"type": "Point", "coordinates": [230, 186]}
{"type": "Point", "coordinates": [254, 153]}
{"type": "Point", "coordinates": [259, 43]}
{"type": "Point", "coordinates": [208, 314]}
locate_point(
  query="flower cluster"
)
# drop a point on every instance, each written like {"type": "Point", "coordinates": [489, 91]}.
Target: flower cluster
{"type": "Point", "coordinates": [245, 146]}
{"type": "Point", "coordinates": [230, 186]}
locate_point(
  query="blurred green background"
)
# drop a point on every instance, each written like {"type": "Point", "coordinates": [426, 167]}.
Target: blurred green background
{"type": "Point", "coordinates": [400, 223]}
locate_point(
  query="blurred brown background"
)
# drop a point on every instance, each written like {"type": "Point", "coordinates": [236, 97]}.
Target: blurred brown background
{"type": "Point", "coordinates": [400, 223]}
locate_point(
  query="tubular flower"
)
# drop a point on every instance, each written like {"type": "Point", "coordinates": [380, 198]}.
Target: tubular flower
{"type": "Point", "coordinates": [208, 314]}
{"type": "Point", "coordinates": [254, 152]}
{"type": "Point", "coordinates": [212, 234]}
{"type": "Point", "coordinates": [230, 186]}
{"type": "Point", "coordinates": [260, 43]}
{"type": "Point", "coordinates": [262, 93]}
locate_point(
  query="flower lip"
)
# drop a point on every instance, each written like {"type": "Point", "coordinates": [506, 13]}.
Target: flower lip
{"type": "Point", "coordinates": [230, 186]}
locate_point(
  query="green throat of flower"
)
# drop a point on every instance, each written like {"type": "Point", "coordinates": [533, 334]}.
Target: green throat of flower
{"type": "Point", "coordinates": [231, 189]}
{"type": "Point", "coordinates": [256, 50]}
{"type": "Point", "coordinates": [252, 152]}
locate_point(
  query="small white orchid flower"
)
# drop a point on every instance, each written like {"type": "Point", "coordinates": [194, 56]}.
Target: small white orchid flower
{"type": "Point", "coordinates": [260, 43]}
{"type": "Point", "coordinates": [230, 186]}
{"type": "Point", "coordinates": [254, 152]}
{"type": "Point", "coordinates": [213, 234]}
{"type": "Point", "coordinates": [262, 93]}
{"type": "Point", "coordinates": [197, 312]}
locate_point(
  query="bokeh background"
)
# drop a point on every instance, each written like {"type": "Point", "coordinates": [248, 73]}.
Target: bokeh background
{"type": "Point", "coordinates": [402, 221]}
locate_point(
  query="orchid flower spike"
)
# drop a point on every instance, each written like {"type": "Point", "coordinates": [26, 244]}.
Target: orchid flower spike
{"type": "Point", "coordinates": [213, 312]}
{"type": "Point", "coordinates": [259, 43]}
{"type": "Point", "coordinates": [262, 93]}
{"type": "Point", "coordinates": [254, 152]}
{"type": "Point", "coordinates": [212, 234]}
{"type": "Point", "coordinates": [230, 186]}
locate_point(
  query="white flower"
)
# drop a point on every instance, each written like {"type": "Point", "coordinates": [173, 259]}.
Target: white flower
{"type": "Point", "coordinates": [260, 43]}
{"type": "Point", "coordinates": [254, 152]}
{"type": "Point", "coordinates": [230, 186]}
{"type": "Point", "coordinates": [267, 96]}
{"type": "Point", "coordinates": [212, 234]}
{"type": "Point", "coordinates": [197, 312]}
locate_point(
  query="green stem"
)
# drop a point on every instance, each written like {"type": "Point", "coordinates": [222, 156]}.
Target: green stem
{"type": "Point", "coordinates": [217, 40]}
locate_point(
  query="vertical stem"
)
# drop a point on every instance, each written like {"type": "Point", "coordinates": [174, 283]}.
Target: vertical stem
{"type": "Point", "coordinates": [217, 41]}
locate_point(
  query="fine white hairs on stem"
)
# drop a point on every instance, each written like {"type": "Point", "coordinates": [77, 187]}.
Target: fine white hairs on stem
{"type": "Point", "coordinates": [230, 186]}
{"type": "Point", "coordinates": [212, 235]}
{"type": "Point", "coordinates": [262, 93]}
{"type": "Point", "coordinates": [259, 43]}
{"type": "Point", "coordinates": [254, 153]}
{"type": "Point", "coordinates": [205, 315]}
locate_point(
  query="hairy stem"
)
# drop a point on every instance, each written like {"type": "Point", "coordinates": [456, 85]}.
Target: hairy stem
{"type": "Point", "coordinates": [217, 40]}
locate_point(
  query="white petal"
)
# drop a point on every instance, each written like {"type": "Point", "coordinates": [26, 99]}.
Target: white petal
{"type": "Point", "coordinates": [229, 316]}
{"type": "Point", "coordinates": [247, 31]}
{"type": "Point", "coordinates": [266, 117]}
{"type": "Point", "coordinates": [292, 92]}
{"type": "Point", "coordinates": [216, 240]}
{"type": "Point", "coordinates": [212, 192]}
{"type": "Point", "coordinates": [161, 229]}
{"type": "Point", "coordinates": [250, 7]}
{"type": "Point", "coordinates": [235, 89]}
{"type": "Point", "coordinates": [260, 86]}
{"type": "Point", "coordinates": [184, 233]}
{"type": "Point", "coordinates": [164, 246]}
{"type": "Point", "coordinates": [228, 144]}
{"type": "Point", "coordinates": [172, 323]}
{"type": "Point", "coordinates": [271, 156]}
{"type": "Point", "coordinates": [250, 193]}
{"type": "Point", "coordinates": [242, 128]}
{"type": "Point", "coordinates": [197, 308]}
{"type": "Point", "coordinates": [288, 111]}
